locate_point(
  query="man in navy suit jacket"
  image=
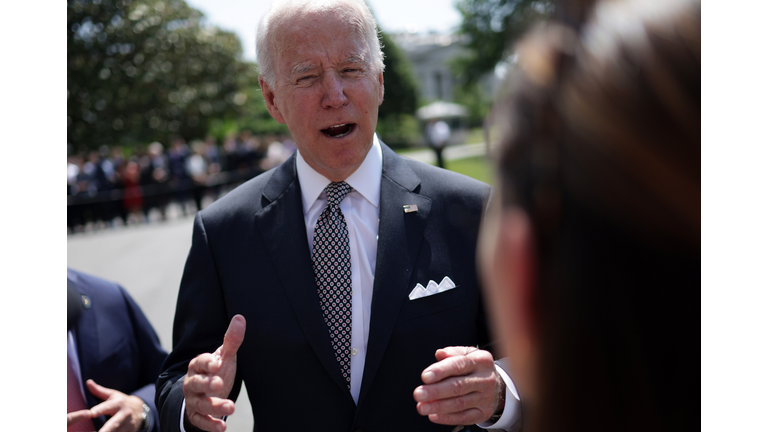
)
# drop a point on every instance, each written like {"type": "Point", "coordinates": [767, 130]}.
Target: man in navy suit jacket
{"type": "Point", "coordinates": [116, 351]}
{"type": "Point", "coordinates": [411, 226]}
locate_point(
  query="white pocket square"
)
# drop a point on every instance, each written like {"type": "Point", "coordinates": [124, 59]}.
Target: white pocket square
{"type": "Point", "coordinates": [432, 288]}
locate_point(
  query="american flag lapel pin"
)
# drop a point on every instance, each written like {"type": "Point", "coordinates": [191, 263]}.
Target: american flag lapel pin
{"type": "Point", "coordinates": [410, 208]}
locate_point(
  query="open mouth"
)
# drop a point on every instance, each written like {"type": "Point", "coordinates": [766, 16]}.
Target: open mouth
{"type": "Point", "coordinates": [339, 131]}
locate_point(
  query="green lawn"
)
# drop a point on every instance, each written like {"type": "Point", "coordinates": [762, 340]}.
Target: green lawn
{"type": "Point", "coordinates": [478, 167]}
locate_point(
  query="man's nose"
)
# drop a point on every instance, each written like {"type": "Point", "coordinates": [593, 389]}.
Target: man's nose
{"type": "Point", "coordinates": [333, 91]}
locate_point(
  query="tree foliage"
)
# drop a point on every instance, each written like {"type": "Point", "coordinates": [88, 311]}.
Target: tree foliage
{"type": "Point", "coordinates": [146, 70]}
{"type": "Point", "coordinates": [141, 70]}
{"type": "Point", "coordinates": [252, 110]}
{"type": "Point", "coordinates": [399, 83]}
{"type": "Point", "coordinates": [491, 28]}
{"type": "Point", "coordinates": [397, 125]}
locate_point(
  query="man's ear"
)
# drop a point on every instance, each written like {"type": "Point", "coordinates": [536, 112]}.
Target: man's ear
{"type": "Point", "coordinates": [381, 87]}
{"type": "Point", "coordinates": [269, 98]}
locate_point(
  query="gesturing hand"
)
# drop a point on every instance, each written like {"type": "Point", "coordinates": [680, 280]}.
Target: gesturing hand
{"type": "Point", "coordinates": [209, 381]}
{"type": "Point", "coordinates": [461, 388]}
{"type": "Point", "coordinates": [125, 409]}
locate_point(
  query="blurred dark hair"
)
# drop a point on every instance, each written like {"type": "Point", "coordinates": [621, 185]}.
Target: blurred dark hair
{"type": "Point", "coordinates": [603, 152]}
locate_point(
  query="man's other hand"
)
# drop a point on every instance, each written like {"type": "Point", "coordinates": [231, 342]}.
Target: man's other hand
{"type": "Point", "coordinates": [209, 381]}
{"type": "Point", "coordinates": [125, 410]}
{"type": "Point", "coordinates": [462, 388]}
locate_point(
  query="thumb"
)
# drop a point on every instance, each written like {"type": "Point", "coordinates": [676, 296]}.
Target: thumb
{"type": "Point", "coordinates": [100, 392]}
{"type": "Point", "coordinates": [233, 338]}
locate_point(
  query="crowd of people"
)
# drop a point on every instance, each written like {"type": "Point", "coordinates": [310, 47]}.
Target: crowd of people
{"type": "Point", "coordinates": [105, 187]}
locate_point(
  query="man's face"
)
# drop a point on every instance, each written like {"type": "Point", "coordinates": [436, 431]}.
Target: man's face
{"type": "Point", "coordinates": [327, 92]}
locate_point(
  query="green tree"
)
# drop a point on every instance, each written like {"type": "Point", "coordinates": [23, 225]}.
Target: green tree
{"type": "Point", "coordinates": [397, 125]}
{"type": "Point", "coordinates": [399, 83]}
{"type": "Point", "coordinates": [491, 27]}
{"type": "Point", "coordinates": [476, 99]}
{"type": "Point", "coordinates": [252, 113]}
{"type": "Point", "coordinates": [141, 70]}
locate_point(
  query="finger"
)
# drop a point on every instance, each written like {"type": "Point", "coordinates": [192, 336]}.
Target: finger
{"type": "Point", "coordinates": [213, 406]}
{"type": "Point", "coordinates": [100, 392]}
{"type": "Point", "coordinates": [446, 352]}
{"type": "Point", "coordinates": [206, 422]}
{"type": "Point", "coordinates": [484, 381]}
{"type": "Point", "coordinates": [76, 416]}
{"type": "Point", "coordinates": [458, 361]}
{"type": "Point", "coordinates": [205, 363]}
{"type": "Point", "coordinates": [118, 423]}
{"type": "Point", "coordinates": [109, 407]}
{"type": "Point", "coordinates": [446, 368]}
{"type": "Point", "coordinates": [203, 384]}
{"type": "Point", "coordinates": [442, 354]}
{"type": "Point", "coordinates": [233, 338]}
{"type": "Point", "coordinates": [468, 417]}
{"type": "Point", "coordinates": [473, 400]}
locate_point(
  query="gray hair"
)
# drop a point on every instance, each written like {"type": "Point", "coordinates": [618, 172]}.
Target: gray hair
{"type": "Point", "coordinates": [356, 11]}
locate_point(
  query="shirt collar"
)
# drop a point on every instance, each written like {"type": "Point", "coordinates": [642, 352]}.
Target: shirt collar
{"type": "Point", "coordinates": [366, 180]}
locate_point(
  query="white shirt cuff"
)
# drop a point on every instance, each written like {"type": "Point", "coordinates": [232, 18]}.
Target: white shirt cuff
{"type": "Point", "coordinates": [512, 410]}
{"type": "Point", "coordinates": [183, 409]}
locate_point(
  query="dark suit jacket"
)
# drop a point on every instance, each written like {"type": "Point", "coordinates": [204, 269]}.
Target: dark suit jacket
{"type": "Point", "coordinates": [250, 256]}
{"type": "Point", "coordinates": [116, 345]}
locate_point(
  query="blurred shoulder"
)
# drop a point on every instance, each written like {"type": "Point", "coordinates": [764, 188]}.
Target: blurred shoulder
{"type": "Point", "coordinates": [90, 284]}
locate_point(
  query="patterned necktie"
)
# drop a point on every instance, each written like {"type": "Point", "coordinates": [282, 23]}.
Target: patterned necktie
{"type": "Point", "coordinates": [331, 263]}
{"type": "Point", "coordinates": [75, 402]}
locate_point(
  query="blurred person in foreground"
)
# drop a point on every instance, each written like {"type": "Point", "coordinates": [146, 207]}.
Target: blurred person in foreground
{"type": "Point", "coordinates": [113, 358]}
{"type": "Point", "coordinates": [353, 267]}
{"type": "Point", "coordinates": [591, 254]}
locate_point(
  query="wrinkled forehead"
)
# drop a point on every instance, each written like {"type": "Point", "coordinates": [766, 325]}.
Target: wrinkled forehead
{"type": "Point", "coordinates": [301, 33]}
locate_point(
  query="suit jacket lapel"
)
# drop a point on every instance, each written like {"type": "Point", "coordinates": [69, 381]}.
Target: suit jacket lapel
{"type": "Point", "coordinates": [87, 337]}
{"type": "Point", "coordinates": [400, 235]}
{"type": "Point", "coordinates": [281, 224]}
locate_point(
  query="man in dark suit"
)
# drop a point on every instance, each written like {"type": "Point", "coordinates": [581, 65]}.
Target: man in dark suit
{"type": "Point", "coordinates": [353, 267]}
{"type": "Point", "coordinates": [114, 357]}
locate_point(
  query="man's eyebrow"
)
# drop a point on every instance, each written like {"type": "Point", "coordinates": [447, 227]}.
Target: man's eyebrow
{"type": "Point", "coordinates": [355, 58]}
{"type": "Point", "coordinates": [302, 68]}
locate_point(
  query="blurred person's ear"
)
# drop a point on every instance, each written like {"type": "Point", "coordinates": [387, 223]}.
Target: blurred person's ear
{"type": "Point", "coordinates": [517, 266]}
{"type": "Point", "coordinates": [508, 263]}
